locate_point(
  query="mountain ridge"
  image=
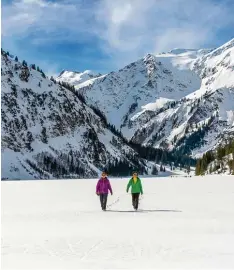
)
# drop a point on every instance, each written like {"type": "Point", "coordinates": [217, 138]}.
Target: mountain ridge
{"type": "Point", "coordinates": [49, 131]}
{"type": "Point", "coordinates": [161, 108]}
{"type": "Point", "coordinates": [143, 93]}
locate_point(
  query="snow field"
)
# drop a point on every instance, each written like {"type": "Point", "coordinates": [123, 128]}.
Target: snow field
{"type": "Point", "coordinates": [182, 223]}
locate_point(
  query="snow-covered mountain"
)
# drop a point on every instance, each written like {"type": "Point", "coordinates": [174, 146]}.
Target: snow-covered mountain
{"type": "Point", "coordinates": [77, 78]}
{"type": "Point", "coordinates": [200, 120]}
{"type": "Point", "coordinates": [123, 93]}
{"type": "Point", "coordinates": [182, 100]}
{"type": "Point", "coordinates": [49, 132]}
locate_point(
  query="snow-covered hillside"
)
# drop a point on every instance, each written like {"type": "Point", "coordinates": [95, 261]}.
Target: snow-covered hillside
{"type": "Point", "coordinates": [77, 78]}
{"type": "Point", "coordinates": [220, 161]}
{"type": "Point", "coordinates": [48, 131]}
{"type": "Point", "coordinates": [182, 223]}
{"type": "Point", "coordinates": [123, 93]}
{"type": "Point", "coordinates": [223, 167]}
{"type": "Point", "coordinates": [183, 99]}
{"type": "Point", "coordinates": [202, 119]}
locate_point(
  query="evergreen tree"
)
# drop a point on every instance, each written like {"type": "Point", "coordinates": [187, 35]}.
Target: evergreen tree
{"type": "Point", "coordinates": [29, 140]}
{"type": "Point", "coordinates": [52, 79]}
{"type": "Point", "coordinates": [164, 157]}
{"type": "Point", "coordinates": [188, 170]}
{"type": "Point", "coordinates": [154, 170]}
{"type": "Point", "coordinates": [24, 63]}
{"type": "Point", "coordinates": [161, 168]}
{"type": "Point", "coordinates": [16, 59]}
{"type": "Point", "coordinates": [43, 74]}
{"type": "Point", "coordinates": [44, 138]}
{"type": "Point", "coordinates": [211, 169]}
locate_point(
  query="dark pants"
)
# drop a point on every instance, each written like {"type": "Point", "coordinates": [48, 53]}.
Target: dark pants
{"type": "Point", "coordinates": [135, 200]}
{"type": "Point", "coordinates": [103, 200]}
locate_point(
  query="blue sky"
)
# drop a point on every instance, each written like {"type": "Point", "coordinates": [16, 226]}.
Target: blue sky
{"type": "Point", "coordinates": [105, 35]}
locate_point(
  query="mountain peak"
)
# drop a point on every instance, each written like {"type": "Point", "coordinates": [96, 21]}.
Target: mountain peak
{"type": "Point", "coordinates": [149, 56]}
{"type": "Point", "coordinates": [64, 71]}
{"type": "Point", "coordinates": [76, 77]}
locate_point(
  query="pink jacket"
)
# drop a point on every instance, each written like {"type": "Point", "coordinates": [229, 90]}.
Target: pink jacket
{"type": "Point", "coordinates": [103, 185]}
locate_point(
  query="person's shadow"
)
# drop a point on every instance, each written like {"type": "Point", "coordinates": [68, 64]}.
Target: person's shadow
{"type": "Point", "coordinates": [143, 211]}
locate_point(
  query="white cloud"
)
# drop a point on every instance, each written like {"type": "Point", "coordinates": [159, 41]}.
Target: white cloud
{"type": "Point", "coordinates": [161, 25]}
{"type": "Point", "coordinates": [49, 19]}
{"type": "Point", "coordinates": [126, 29]}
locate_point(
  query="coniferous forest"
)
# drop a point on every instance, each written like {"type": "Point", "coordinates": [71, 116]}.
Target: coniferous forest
{"type": "Point", "coordinates": [213, 161]}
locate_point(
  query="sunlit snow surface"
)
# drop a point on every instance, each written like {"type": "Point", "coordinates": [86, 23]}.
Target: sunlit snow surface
{"type": "Point", "coordinates": [182, 223]}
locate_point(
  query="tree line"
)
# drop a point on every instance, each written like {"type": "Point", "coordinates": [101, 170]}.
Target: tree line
{"type": "Point", "coordinates": [24, 63]}
{"type": "Point", "coordinates": [216, 158]}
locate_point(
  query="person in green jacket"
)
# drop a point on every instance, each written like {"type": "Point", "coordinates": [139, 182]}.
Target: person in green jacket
{"type": "Point", "coordinates": [135, 184]}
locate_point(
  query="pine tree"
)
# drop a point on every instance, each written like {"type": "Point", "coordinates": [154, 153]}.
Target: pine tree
{"type": "Point", "coordinates": [161, 168]}
{"type": "Point", "coordinates": [211, 169]}
{"type": "Point", "coordinates": [24, 63]}
{"type": "Point", "coordinates": [34, 66]}
{"type": "Point", "coordinates": [155, 170]}
{"type": "Point", "coordinates": [164, 157]}
{"type": "Point", "coordinates": [16, 59]}
{"type": "Point", "coordinates": [43, 74]}
{"type": "Point", "coordinates": [29, 140]}
{"type": "Point", "coordinates": [7, 54]}
{"type": "Point", "coordinates": [44, 135]}
{"type": "Point", "coordinates": [52, 79]}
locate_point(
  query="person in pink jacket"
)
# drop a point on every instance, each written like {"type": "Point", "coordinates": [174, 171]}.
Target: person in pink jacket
{"type": "Point", "coordinates": [103, 185]}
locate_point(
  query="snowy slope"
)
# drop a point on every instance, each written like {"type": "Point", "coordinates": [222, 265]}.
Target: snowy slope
{"type": "Point", "coordinates": [75, 78]}
{"type": "Point", "coordinates": [183, 223]}
{"type": "Point", "coordinates": [140, 83]}
{"type": "Point", "coordinates": [47, 131]}
{"type": "Point", "coordinates": [123, 92]}
{"type": "Point", "coordinates": [212, 105]}
{"type": "Point", "coordinates": [198, 123]}
{"type": "Point", "coordinates": [223, 167]}
{"type": "Point", "coordinates": [163, 99]}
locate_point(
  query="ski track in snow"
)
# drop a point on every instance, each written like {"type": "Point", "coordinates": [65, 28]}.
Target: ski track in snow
{"type": "Point", "coordinates": [181, 223]}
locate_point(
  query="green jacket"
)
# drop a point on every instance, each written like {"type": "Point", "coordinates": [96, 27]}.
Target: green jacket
{"type": "Point", "coordinates": [136, 187]}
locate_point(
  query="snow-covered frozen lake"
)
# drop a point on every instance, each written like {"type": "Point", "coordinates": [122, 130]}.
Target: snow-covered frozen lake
{"type": "Point", "coordinates": [182, 223]}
